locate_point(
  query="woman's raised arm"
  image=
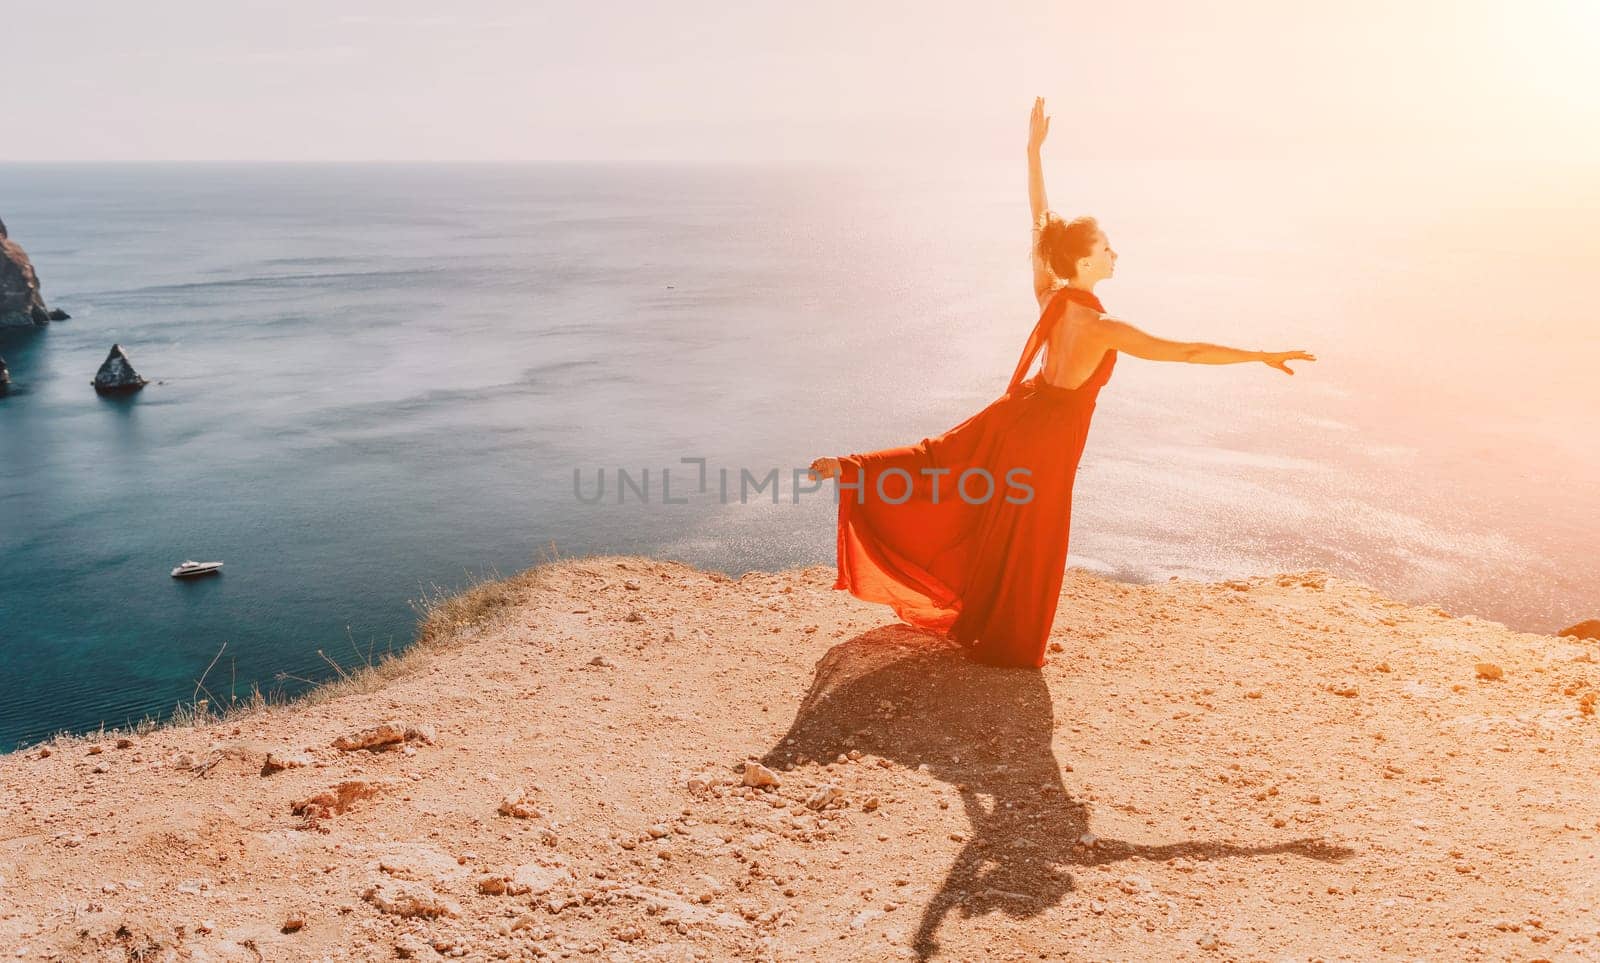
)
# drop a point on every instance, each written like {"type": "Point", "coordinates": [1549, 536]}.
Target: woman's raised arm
{"type": "Point", "coordinates": [1044, 279]}
{"type": "Point", "coordinates": [1119, 334]}
{"type": "Point", "coordinates": [1038, 129]}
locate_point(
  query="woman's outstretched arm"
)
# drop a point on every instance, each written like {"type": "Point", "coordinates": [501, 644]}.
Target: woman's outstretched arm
{"type": "Point", "coordinates": [1122, 336]}
{"type": "Point", "coordinates": [1044, 279]}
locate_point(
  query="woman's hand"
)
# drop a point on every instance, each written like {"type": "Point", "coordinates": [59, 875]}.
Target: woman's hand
{"type": "Point", "coordinates": [1276, 359]}
{"type": "Point", "coordinates": [824, 468]}
{"type": "Point", "coordinates": [1038, 126]}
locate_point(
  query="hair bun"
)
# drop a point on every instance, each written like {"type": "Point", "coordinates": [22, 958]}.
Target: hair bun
{"type": "Point", "coordinates": [1061, 243]}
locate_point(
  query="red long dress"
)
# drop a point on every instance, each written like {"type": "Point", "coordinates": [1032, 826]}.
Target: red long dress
{"type": "Point", "coordinates": [984, 571]}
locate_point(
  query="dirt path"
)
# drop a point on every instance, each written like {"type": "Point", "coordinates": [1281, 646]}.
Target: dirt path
{"type": "Point", "coordinates": [1287, 768]}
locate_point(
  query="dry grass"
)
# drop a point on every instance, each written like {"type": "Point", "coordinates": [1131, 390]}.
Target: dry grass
{"type": "Point", "coordinates": [446, 620]}
{"type": "Point", "coordinates": [446, 617]}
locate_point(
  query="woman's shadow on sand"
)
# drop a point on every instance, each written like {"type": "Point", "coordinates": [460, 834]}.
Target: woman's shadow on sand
{"type": "Point", "coordinates": [911, 697]}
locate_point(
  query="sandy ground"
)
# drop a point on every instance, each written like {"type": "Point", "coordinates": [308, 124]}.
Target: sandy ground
{"type": "Point", "coordinates": [1291, 767]}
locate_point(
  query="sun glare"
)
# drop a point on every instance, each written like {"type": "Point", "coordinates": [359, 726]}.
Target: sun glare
{"type": "Point", "coordinates": [1553, 58]}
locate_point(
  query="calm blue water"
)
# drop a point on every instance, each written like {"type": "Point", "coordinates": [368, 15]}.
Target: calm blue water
{"type": "Point", "coordinates": [372, 379]}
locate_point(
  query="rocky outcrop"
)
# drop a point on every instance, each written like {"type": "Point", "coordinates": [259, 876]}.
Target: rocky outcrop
{"type": "Point", "coordinates": [1589, 629]}
{"type": "Point", "coordinates": [21, 305]}
{"type": "Point", "coordinates": [116, 375]}
{"type": "Point", "coordinates": [773, 763]}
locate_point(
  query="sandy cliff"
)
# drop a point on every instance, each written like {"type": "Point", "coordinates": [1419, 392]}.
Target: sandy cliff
{"type": "Point", "coordinates": [1289, 767]}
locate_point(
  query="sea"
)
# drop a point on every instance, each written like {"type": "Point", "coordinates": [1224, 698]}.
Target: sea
{"type": "Point", "coordinates": [371, 384]}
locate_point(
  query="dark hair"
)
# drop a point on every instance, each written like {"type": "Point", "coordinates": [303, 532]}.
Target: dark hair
{"type": "Point", "coordinates": [1060, 243]}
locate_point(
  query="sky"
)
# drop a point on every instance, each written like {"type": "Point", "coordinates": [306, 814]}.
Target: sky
{"type": "Point", "coordinates": [761, 81]}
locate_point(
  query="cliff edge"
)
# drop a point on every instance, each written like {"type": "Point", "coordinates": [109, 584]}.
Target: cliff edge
{"type": "Point", "coordinates": [626, 759]}
{"type": "Point", "coordinates": [21, 304]}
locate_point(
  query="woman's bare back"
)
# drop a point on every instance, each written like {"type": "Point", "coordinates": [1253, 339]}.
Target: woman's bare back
{"type": "Point", "coordinates": [1071, 357]}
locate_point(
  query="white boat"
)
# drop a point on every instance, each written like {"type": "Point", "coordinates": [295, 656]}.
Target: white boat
{"type": "Point", "coordinates": [189, 569]}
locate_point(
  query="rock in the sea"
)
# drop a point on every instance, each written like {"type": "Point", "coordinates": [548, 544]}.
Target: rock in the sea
{"type": "Point", "coordinates": [21, 305]}
{"type": "Point", "coordinates": [5, 374]}
{"type": "Point", "coordinates": [117, 374]}
{"type": "Point", "coordinates": [56, 314]}
{"type": "Point", "coordinates": [1589, 629]}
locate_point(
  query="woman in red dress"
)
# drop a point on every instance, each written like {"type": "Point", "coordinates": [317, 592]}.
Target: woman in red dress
{"type": "Point", "coordinates": [965, 533]}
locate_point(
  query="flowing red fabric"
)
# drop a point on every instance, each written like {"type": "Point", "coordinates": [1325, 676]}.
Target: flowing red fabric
{"type": "Point", "coordinates": [920, 530]}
